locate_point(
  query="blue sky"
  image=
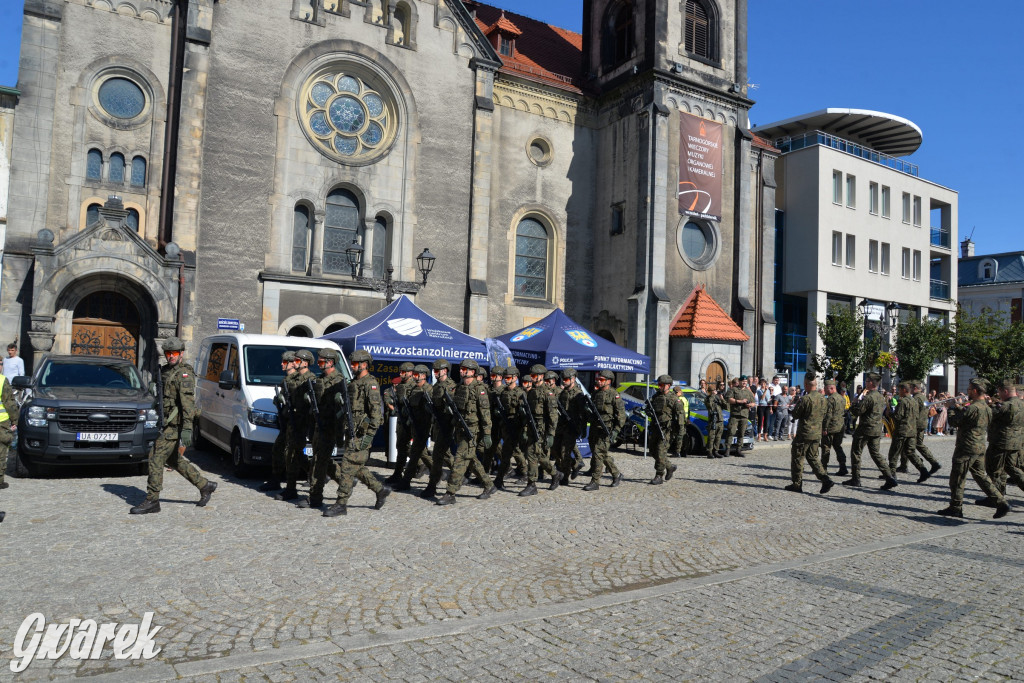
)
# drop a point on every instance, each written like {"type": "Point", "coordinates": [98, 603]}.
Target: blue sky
{"type": "Point", "coordinates": [897, 56]}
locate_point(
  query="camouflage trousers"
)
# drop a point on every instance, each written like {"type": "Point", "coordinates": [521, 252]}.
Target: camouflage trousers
{"type": "Point", "coordinates": [418, 455]}
{"type": "Point", "coordinates": [352, 468]}
{"type": "Point", "coordinates": [442, 453]}
{"type": "Point", "coordinates": [6, 439]}
{"type": "Point", "coordinates": [537, 460]}
{"type": "Point", "coordinates": [659, 451]}
{"type": "Point", "coordinates": [278, 456]}
{"type": "Point", "coordinates": [805, 450]}
{"type": "Point", "coordinates": [737, 428]}
{"type": "Point", "coordinates": [962, 464]}
{"type": "Point", "coordinates": [295, 460]}
{"type": "Point", "coordinates": [564, 453]}
{"type": "Point", "coordinates": [715, 432]}
{"type": "Point", "coordinates": [511, 450]}
{"type": "Point", "coordinates": [903, 449]}
{"type": "Point", "coordinates": [403, 445]}
{"type": "Point", "coordinates": [922, 449]}
{"type": "Point", "coordinates": [873, 443]}
{"type": "Point", "coordinates": [830, 441]}
{"type": "Point", "coordinates": [465, 461]}
{"type": "Point", "coordinates": [1002, 465]}
{"type": "Point", "coordinates": [165, 454]}
{"type": "Point", "coordinates": [599, 446]}
{"type": "Point", "coordinates": [324, 468]}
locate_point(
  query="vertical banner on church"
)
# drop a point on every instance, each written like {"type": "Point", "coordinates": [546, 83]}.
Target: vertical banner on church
{"type": "Point", "coordinates": [700, 167]}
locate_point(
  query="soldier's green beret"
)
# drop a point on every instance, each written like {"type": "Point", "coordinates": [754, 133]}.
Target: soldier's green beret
{"type": "Point", "coordinates": [568, 373]}
{"type": "Point", "coordinates": [538, 369]}
{"type": "Point", "coordinates": [329, 354]}
{"type": "Point", "coordinates": [442, 364]}
{"type": "Point", "coordinates": [406, 367]}
{"type": "Point", "coordinates": [742, 377]}
{"type": "Point", "coordinates": [287, 356]}
{"type": "Point", "coordinates": [830, 383]}
{"type": "Point", "coordinates": [173, 344]}
{"type": "Point", "coordinates": [607, 374]}
{"type": "Point", "coordinates": [664, 379]}
{"type": "Point", "coordinates": [421, 370]}
{"type": "Point", "coordinates": [470, 364]}
{"type": "Point", "coordinates": [873, 376]}
{"type": "Point", "coordinates": [550, 374]}
{"type": "Point", "coordinates": [980, 384]}
{"type": "Point", "coordinates": [304, 354]}
{"type": "Point", "coordinates": [360, 356]}
{"type": "Point", "coordinates": [512, 371]}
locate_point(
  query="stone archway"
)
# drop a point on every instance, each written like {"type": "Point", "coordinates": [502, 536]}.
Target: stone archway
{"type": "Point", "coordinates": [715, 372]}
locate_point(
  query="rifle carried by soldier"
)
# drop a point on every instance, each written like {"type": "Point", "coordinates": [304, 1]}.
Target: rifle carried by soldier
{"type": "Point", "coordinates": [317, 422]}
{"type": "Point", "coordinates": [346, 406]}
{"type": "Point", "coordinates": [283, 401]}
{"type": "Point", "coordinates": [593, 411]}
{"type": "Point", "coordinates": [576, 431]}
{"type": "Point", "coordinates": [461, 421]}
{"type": "Point", "coordinates": [652, 416]}
{"type": "Point", "coordinates": [525, 409]}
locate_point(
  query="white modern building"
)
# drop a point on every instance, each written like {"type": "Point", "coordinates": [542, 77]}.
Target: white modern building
{"type": "Point", "coordinates": [857, 221]}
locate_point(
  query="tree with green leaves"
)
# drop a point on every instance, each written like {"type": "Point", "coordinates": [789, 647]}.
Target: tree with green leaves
{"type": "Point", "coordinates": [920, 344]}
{"type": "Point", "coordinates": [988, 344]}
{"type": "Point", "coordinates": [844, 352]}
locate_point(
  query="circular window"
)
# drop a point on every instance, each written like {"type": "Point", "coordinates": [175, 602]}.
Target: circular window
{"type": "Point", "coordinates": [539, 151]}
{"type": "Point", "coordinates": [346, 116]}
{"type": "Point", "coordinates": [697, 242]}
{"type": "Point", "coordinates": [121, 98]}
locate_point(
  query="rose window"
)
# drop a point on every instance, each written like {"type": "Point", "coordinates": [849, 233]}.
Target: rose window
{"type": "Point", "coordinates": [346, 118]}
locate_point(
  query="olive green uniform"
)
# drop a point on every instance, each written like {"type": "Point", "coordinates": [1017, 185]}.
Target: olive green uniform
{"type": "Point", "coordinates": [716, 426]}
{"type": "Point", "coordinates": [515, 431]}
{"type": "Point", "coordinates": [8, 420]}
{"type": "Point", "coordinates": [540, 401]}
{"type": "Point", "coordinates": [487, 454]}
{"type": "Point", "coordinates": [609, 406]}
{"type": "Point", "coordinates": [738, 417]}
{"type": "Point", "coordinates": [868, 433]}
{"type": "Point", "coordinates": [833, 430]}
{"type": "Point", "coordinates": [810, 411]}
{"type": "Point", "coordinates": [441, 433]}
{"type": "Point", "coordinates": [364, 399]}
{"type": "Point", "coordinates": [472, 403]}
{"type": "Point", "coordinates": [904, 437]}
{"type": "Point", "coordinates": [422, 419]}
{"type": "Point", "coordinates": [1006, 439]}
{"type": "Point", "coordinates": [668, 412]}
{"type": "Point", "coordinates": [330, 433]}
{"type": "Point", "coordinates": [296, 462]}
{"type": "Point", "coordinates": [179, 411]}
{"type": "Point", "coordinates": [403, 428]}
{"type": "Point", "coordinates": [972, 428]}
{"type": "Point", "coordinates": [922, 427]}
{"type": "Point", "coordinates": [278, 454]}
{"type": "Point", "coordinates": [568, 431]}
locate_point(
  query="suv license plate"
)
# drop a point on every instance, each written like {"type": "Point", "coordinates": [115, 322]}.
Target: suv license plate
{"type": "Point", "coordinates": [97, 436]}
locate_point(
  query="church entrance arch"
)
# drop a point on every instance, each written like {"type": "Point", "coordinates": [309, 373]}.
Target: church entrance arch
{"type": "Point", "coordinates": [715, 372]}
{"type": "Point", "coordinates": [106, 323]}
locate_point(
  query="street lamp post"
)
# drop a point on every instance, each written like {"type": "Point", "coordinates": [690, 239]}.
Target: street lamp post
{"type": "Point", "coordinates": [386, 284]}
{"type": "Point", "coordinates": [887, 322]}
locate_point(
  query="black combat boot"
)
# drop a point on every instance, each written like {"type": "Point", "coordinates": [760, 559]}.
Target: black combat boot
{"type": "Point", "coordinates": [592, 486]}
{"type": "Point", "coordinates": [422, 472]}
{"type": "Point", "coordinates": [310, 502]}
{"type": "Point", "coordinates": [827, 485]}
{"type": "Point", "coordinates": [336, 510]}
{"type": "Point", "coordinates": [2, 515]}
{"type": "Point", "coordinates": [402, 484]}
{"type": "Point", "coordinates": [951, 512]}
{"type": "Point", "coordinates": [576, 467]}
{"type": "Point", "coordinates": [936, 467]}
{"type": "Point", "coordinates": [382, 496]}
{"type": "Point", "coordinates": [795, 488]}
{"type": "Point", "coordinates": [530, 490]}
{"type": "Point", "coordinates": [446, 499]}
{"type": "Point", "coordinates": [617, 479]}
{"type": "Point", "coordinates": [923, 476]}
{"type": "Point", "coordinates": [842, 471]}
{"type": "Point", "coordinates": [556, 479]}
{"type": "Point", "coordinates": [146, 507]}
{"type": "Point", "coordinates": [429, 492]}
{"type": "Point", "coordinates": [889, 484]}
{"type": "Point", "coordinates": [3, 484]}
{"type": "Point", "coordinates": [287, 494]}
{"type": "Point", "coordinates": [1001, 510]}
{"type": "Point", "coordinates": [986, 502]}
{"type": "Point", "coordinates": [205, 493]}
{"type": "Point", "coordinates": [670, 471]}
{"type": "Point", "coordinates": [852, 482]}
{"type": "Point", "coordinates": [488, 493]}
{"type": "Point", "coordinates": [657, 481]}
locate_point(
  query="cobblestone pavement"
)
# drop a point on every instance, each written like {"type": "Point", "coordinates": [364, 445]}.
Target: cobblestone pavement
{"type": "Point", "coordinates": [718, 574]}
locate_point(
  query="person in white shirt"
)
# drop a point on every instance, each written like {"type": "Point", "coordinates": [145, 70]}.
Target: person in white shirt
{"type": "Point", "coordinates": [13, 365]}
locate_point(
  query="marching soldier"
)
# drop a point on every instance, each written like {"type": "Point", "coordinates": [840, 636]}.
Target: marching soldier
{"type": "Point", "coordinates": [834, 427]}
{"type": "Point", "coordinates": [810, 411]}
{"type": "Point", "coordinates": [364, 402]}
{"type": "Point", "coordinates": [179, 408]}
{"type": "Point", "coordinates": [922, 427]}
{"type": "Point", "coordinates": [298, 426]}
{"type": "Point", "coordinates": [612, 414]}
{"type": "Point", "coordinates": [869, 432]}
{"type": "Point", "coordinates": [277, 472]}
{"type": "Point", "coordinates": [1006, 440]}
{"type": "Point", "coordinates": [740, 400]}
{"type": "Point", "coordinates": [716, 404]}
{"type": "Point", "coordinates": [494, 392]}
{"type": "Point", "coordinates": [515, 427]}
{"type": "Point", "coordinates": [967, 453]}
{"type": "Point", "coordinates": [678, 446]}
{"type": "Point", "coordinates": [540, 402]}
{"type": "Point", "coordinates": [904, 437]}
{"type": "Point", "coordinates": [667, 413]}
{"type": "Point", "coordinates": [471, 402]}
{"type": "Point", "coordinates": [442, 430]}
{"type": "Point", "coordinates": [422, 419]}
{"type": "Point", "coordinates": [566, 454]}
{"type": "Point", "coordinates": [329, 431]}
{"type": "Point", "coordinates": [394, 401]}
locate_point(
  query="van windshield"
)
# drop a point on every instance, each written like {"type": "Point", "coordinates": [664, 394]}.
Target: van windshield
{"type": "Point", "coordinates": [263, 362]}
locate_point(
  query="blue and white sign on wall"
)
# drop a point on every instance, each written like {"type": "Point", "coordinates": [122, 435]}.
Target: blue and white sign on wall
{"type": "Point", "coordinates": [232, 324]}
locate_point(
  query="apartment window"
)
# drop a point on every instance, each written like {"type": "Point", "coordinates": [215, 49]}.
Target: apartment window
{"type": "Point", "coordinates": [885, 201]}
{"type": "Point", "coordinates": [906, 207]}
{"type": "Point", "coordinates": [905, 265]}
{"type": "Point", "coordinates": [885, 258]}
{"type": "Point", "coordinates": [851, 191]}
{"type": "Point", "coordinates": [851, 250]}
{"type": "Point", "coordinates": [917, 211]}
{"type": "Point", "coordinates": [873, 198]}
{"type": "Point", "coordinates": [837, 187]}
{"type": "Point", "coordinates": [873, 256]}
{"type": "Point", "coordinates": [837, 248]}
{"type": "Point", "coordinates": [917, 265]}
{"type": "Point", "coordinates": [505, 46]}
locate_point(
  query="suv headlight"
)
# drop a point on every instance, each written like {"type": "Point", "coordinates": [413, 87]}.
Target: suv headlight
{"type": "Point", "coordinates": [262, 418]}
{"type": "Point", "coordinates": [150, 417]}
{"type": "Point", "coordinates": [38, 415]}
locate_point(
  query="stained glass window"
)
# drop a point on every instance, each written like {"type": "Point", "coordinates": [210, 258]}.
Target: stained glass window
{"type": "Point", "coordinates": [92, 214]}
{"type": "Point", "coordinates": [133, 219]}
{"type": "Point", "coordinates": [300, 239]}
{"type": "Point", "coordinates": [531, 259]}
{"type": "Point", "coordinates": [345, 117]}
{"type": "Point", "coordinates": [116, 172]}
{"type": "Point", "coordinates": [341, 226]}
{"type": "Point", "coordinates": [94, 165]}
{"type": "Point", "coordinates": [121, 98]}
{"type": "Point", "coordinates": [380, 247]}
{"type": "Point", "coordinates": [138, 172]}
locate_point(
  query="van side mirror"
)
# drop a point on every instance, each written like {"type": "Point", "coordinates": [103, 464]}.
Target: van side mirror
{"type": "Point", "coordinates": [22, 382]}
{"type": "Point", "coordinates": [227, 380]}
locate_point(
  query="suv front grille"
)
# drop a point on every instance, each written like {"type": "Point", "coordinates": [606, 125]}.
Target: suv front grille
{"type": "Point", "coordinates": [77, 420]}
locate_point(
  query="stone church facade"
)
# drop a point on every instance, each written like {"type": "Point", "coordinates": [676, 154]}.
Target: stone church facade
{"type": "Point", "coordinates": [249, 143]}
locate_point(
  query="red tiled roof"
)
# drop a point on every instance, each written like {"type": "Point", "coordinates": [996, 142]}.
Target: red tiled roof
{"type": "Point", "coordinates": [543, 52]}
{"type": "Point", "coordinates": [503, 24]}
{"type": "Point", "coordinates": [702, 318]}
{"type": "Point", "coordinates": [764, 144]}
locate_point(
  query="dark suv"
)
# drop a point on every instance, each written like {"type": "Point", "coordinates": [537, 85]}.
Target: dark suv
{"type": "Point", "coordinates": [85, 410]}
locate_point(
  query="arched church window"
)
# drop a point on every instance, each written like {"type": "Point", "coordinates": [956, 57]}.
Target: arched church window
{"type": "Point", "coordinates": [138, 172]}
{"type": "Point", "coordinates": [94, 165]}
{"type": "Point", "coordinates": [92, 214]}
{"type": "Point", "coordinates": [379, 246]}
{"type": "Point", "coordinates": [531, 259]}
{"type": "Point", "coordinates": [300, 238]}
{"type": "Point", "coordinates": [701, 29]}
{"type": "Point", "coordinates": [400, 24]}
{"type": "Point", "coordinates": [116, 172]}
{"type": "Point", "coordinates": [618, 33]}
{"type": "Point", "coordinates": [133, 219]}
{"type": "Point", "coordinates": [341, 227]}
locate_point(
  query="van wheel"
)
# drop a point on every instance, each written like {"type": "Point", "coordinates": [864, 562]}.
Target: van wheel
{"type": "Point", "coordinates": [237, 458]}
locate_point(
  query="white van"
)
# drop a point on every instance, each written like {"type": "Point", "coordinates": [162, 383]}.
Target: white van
{"type": "Point", "coordinates": [236, 378]}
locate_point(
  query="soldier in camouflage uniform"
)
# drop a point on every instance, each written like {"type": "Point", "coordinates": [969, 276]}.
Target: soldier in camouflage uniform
{"type": "Point", "coordinates": [922, 426]}
{"type": "Point", "coordinates": [716, 425]}
{"type": "Point", "coordinates": [471, 401]}
{"type": "Point", "coordinates": [514, 427]}
{"type": "Point", "coordinates": [330, 430]}
{"type": "Point", "coordinates": [810, 411]}
{"type": "Point", "coordinates": [277, 472]}
{"type": "Point", "coordinates": [972, 428]}
{"type": "Point", "coordinates": [365, 404]}
{"type": "Point", "coordinates": [834, 427]}
{"type": "Point", "coordinates": [740, 400]}
{"type": "Point", "coordinates": [8, 425]}
{"type": "Point", "coordinates": [668, 414]}
{"type": "Point", "coordinates": [494, 391]}
{"type": "Point", "coordinates": [442, 431]}
{"type": "Point", "coordinates": [869, 432]}
{"type": "Point", "coordinates": [905, 432]}
{"type": "Point", "coordinates": [566, 454]}
{"type": "Point", "coordinates": [678, 446]}
{"type": "Point", "coordinates": [179, 408]}
{"type": "Point", "coordinates": [296, 462]}
{"type": "Point", "coordinates": [1005, 441]}
{"type": "Point", "coordinates": [540, 401]}
{"type": "Point", "coordinates": [394, 403]}
{"type": "Point", "coordinates": [613, 415]}
{"type": "Point", "coordinates": [422, 418]}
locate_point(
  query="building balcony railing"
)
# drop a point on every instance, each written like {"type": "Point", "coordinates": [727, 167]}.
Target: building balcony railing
{"type": "Point", "coordinates": [940, 290]}
{"type": "Point", "coordinates": [817, 137]}
{"type": "Point", "coordinates": [940, 237]}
